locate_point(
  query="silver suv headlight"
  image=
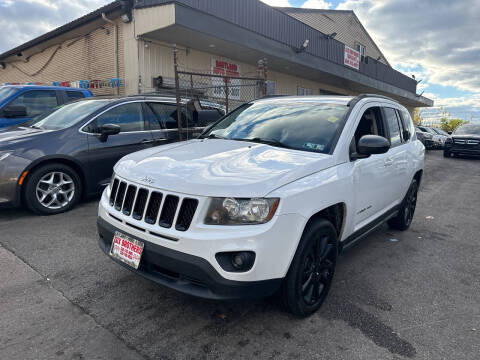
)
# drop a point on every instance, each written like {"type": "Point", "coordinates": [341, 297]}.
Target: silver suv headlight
{"type": "Point", "coordinates": [232, 211]}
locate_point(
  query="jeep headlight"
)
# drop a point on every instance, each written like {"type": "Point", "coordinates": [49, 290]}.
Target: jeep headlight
{"type": "Point", "coordinates": [232, 211]}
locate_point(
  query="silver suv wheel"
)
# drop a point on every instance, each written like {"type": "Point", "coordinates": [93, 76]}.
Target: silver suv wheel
{"type": "Point", "coordinates": [55, 190]}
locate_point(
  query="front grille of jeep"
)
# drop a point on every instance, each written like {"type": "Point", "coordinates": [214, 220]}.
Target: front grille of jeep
{"type": "Point", "coordinates": [153, 207]}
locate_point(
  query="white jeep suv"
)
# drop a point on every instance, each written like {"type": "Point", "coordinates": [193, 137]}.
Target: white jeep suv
{"type": "Point", "coordinates": [266, 199]}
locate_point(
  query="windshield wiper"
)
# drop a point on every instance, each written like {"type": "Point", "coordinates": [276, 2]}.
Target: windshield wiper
{"type": "Point", "coordinates": [211, 136]}
{"type": "Point", "coordinates": [36, 127]}
{"type": "Point", "coordinates": [268, 141]}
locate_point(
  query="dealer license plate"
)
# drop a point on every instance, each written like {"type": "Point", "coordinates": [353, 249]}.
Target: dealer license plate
{"type": "Point", "coordinates": [126, 249]}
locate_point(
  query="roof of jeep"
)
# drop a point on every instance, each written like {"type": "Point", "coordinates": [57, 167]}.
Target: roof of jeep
{"type": "Point", "coordinates": [331, 99]}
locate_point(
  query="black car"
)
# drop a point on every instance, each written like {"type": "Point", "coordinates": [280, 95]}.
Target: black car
{"type": "Point", "coordinates": [52, 162]}
{"type": "Point", "coordinates": [464, 140]}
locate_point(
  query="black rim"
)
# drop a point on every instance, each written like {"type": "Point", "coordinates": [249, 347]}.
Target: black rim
{"type": "Point", "coordinates": [318, 268]}
{"type": "Point", "coordinates": [410, 204]}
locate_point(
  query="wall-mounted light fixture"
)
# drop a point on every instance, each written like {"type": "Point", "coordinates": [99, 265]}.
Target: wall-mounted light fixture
{"type": "Point", "coordinates": [303, 47]}
{"type": "Point", "coordinates": [331, 36]}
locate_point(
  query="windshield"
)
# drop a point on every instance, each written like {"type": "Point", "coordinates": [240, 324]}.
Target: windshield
{"type": "Point", "coordinates": [468, 129]}
{"type": "Point", "coordinates": [440, 132]}
{"type": "Point", "coordinates": [301, 124]}
{"type": "Point", "coordinates": [6, 92]}
{"type": "Point", "coordinates": [67, 115]}
{"type": "Point", "coordinates": [429, 130]}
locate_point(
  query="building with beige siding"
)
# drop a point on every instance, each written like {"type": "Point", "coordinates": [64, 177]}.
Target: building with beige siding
{"type": "Point", "coordinates": [134, 40]}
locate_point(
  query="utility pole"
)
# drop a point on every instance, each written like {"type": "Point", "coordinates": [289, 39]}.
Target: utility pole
{"type": "Point", "coordinates": [177, 93]}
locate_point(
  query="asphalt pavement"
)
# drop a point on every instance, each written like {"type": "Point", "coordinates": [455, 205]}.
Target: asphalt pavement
{"type": "Point", "coordinates": [396, 295]}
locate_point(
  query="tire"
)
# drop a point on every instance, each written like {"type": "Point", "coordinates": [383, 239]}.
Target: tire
{"type": "Point", "coordinates": [405, 215]}
{"type": "Point", "coordinates": [309, 272]}
{"type": "Point", "coordinates": [60, 185]}
{"type": "Point", "coordinates": [446, 153]}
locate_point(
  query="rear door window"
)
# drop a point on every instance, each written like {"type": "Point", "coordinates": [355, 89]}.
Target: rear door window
{"type": "Point", "coordinates": [393, 126]}
{"type": "Point", "coordinates": [36, 102]}
{"type": "Point", "coordinates": [128, 116]}
{"type": "Point", "coordinates": [74, 95]}
{"type": "Point", "coordinates": [166, 114]}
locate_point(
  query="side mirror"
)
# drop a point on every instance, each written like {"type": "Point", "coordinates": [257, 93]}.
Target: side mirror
{"type": "Point", "coordinates": [14, 111]}
{"type": "Point", "coordinates": [406, 135]}
{"type": "Point", "coordinates": [108, 130]}
{"type": "Point", "coordinates": [450, 132]}
{"type": "Point", "coordinates": [205, 117]}
{"type": "Point", "coordinates": [370, 145]}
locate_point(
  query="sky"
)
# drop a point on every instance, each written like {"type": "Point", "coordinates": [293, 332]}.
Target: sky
{"type": "Point", "coordinates": [435, 40]}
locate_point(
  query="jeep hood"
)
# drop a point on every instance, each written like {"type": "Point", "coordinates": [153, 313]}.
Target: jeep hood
{"type": "Point", "coordinates": [216, 167]}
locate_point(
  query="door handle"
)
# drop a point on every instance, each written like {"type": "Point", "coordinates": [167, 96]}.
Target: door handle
{"type": "Point", "coordinates": [147, 141]}
{"type": "Point", "coordinates": [388, 162]}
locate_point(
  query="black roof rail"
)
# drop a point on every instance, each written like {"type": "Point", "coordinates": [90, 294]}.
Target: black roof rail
{"type": "Point", "coordinates": [363, 96]}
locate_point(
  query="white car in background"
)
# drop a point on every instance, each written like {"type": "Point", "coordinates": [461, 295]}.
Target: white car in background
{"type": "Point", "coordinates": [266, 199]}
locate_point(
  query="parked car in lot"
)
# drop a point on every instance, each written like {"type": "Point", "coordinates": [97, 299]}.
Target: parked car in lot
{"type": "Point", "coordinates": [20, 103]}
{"type": "Point", "coordinates": [464, 140]}
{"type": "Point", "coordinates": [425, 137]}
{"type": "Point", "coordinates": [437, 139]}
{"type": "Point", "coordinates": [443, 135]}
{"type": "Point", "coordinates": [52, 162]}
{"type": "Point", "coordinates": [265, 199]}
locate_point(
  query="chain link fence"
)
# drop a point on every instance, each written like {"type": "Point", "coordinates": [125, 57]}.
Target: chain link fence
{"type": "Point", "coordinates": [228, 91]}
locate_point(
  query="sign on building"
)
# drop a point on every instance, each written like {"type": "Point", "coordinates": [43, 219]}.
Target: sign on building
{"type": "Point", "coordinates": [351, 58]}
{"type": "Point", "coordinates": [225, 68]}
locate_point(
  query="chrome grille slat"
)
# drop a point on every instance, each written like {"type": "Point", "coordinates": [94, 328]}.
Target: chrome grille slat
{"type": "Point", "coordinates": [152, 207]}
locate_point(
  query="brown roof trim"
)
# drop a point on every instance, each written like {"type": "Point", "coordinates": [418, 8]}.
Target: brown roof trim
{"type": "Point", "coordinates": [109, 8]}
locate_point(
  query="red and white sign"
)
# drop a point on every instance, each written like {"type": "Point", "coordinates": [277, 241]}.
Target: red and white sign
{"type": "Point", "coordinates": [351, 58]}
{"type": "Point", "coordinates": [126, 249]}
{"type": "Point", "coordinates": [225, 68]}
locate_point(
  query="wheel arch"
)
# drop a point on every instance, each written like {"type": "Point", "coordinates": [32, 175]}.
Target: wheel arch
{"type": "Point", "coordinates": [418, 176]}
{"type": "Point", "coordinates": [335, 213]}
{"type": "Point", "coordinates": [65, 160]}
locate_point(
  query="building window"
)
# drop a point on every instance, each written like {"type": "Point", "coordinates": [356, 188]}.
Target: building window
{"type": "Point", "coordinates": [361, 49]}
{"type": "Point", "coordinates": [304, 91]}
{"type": "Point", "coordinates": [270, 87]}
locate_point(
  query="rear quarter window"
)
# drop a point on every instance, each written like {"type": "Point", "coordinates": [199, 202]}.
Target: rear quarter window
{"type": "Point", "coordinates": [74, 95]}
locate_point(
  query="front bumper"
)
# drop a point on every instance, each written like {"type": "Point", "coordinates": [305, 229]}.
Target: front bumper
{"type": "Point", "coordinates": [186, 260]}
{"type": "Point", "coordinates": [463, 149]}
{"type": "Point", "coordinates": [186, 273]}
{"type": "Point", "coordinates": [428, 143]}
{"type": "Point", "coordinates": [10, 170]}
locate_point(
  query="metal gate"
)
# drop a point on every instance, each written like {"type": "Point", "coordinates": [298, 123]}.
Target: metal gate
{"type": "Point", "coordinates": [229, 89]}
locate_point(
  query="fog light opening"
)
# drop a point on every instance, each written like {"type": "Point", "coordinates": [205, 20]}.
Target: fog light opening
{"type": "Point", "coordinates": [240, 261]}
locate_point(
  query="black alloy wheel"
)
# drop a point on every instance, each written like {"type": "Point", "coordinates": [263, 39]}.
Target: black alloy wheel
{"type": "Point", "coordinates": [311, 273]}
{"type": "Point", "coordinates": [405, 215]}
